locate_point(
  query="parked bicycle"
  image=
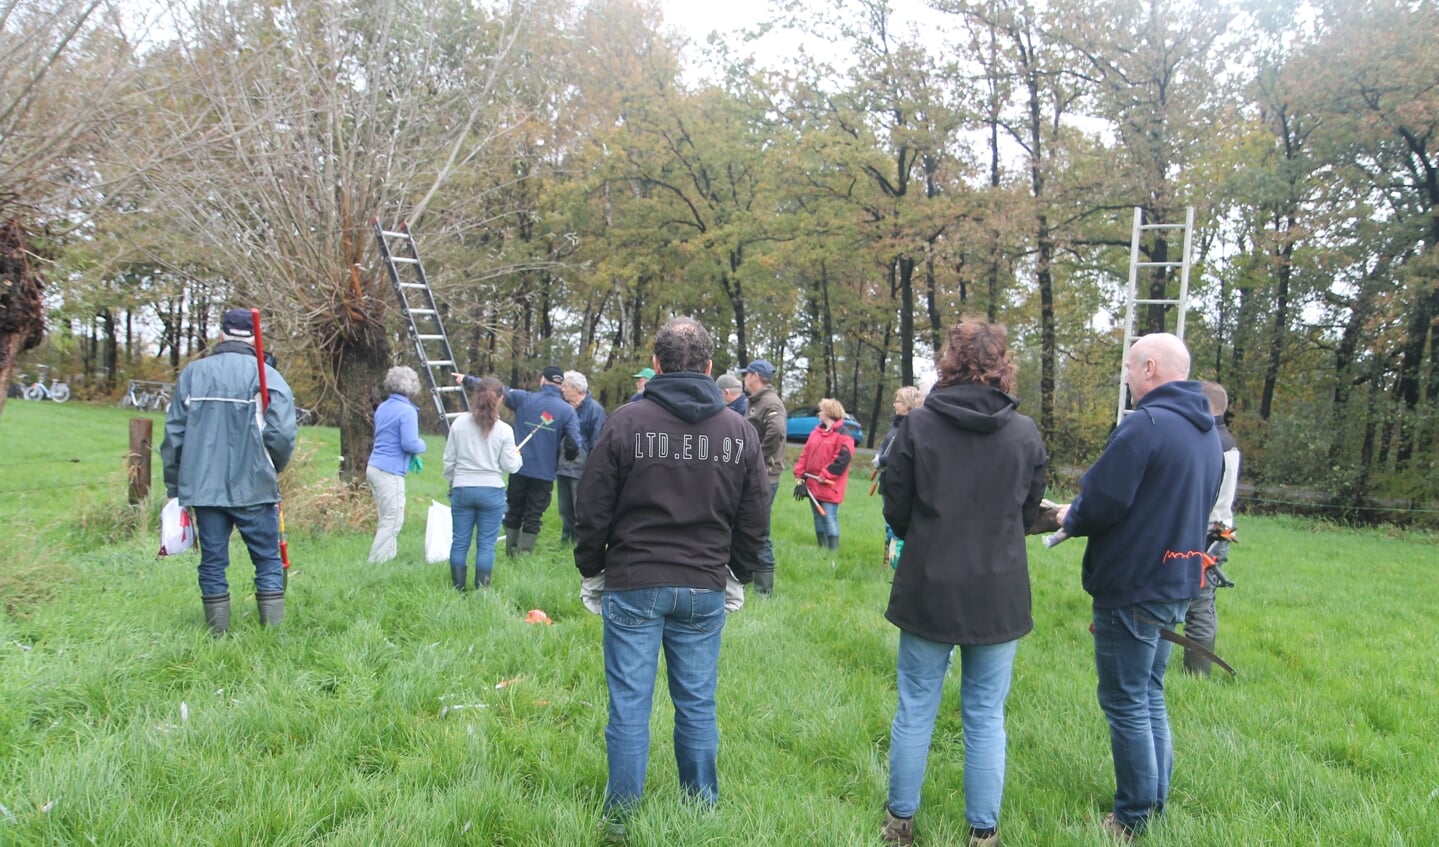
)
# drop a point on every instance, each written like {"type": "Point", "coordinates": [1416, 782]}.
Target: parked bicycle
{"type": "Point", "coordinates": [57, 390]}
{"type": "Point", "coordinates": [147, 395]}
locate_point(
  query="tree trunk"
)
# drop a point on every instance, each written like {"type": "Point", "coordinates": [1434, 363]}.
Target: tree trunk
{"type": "Point", "coordinates": [357, 361]}
{"type": "Point", "coordinates": [1048, 352]}
{"type": "Point", "coordinates": [906, 319]}
{"type": "Point", "coordinates": [1279, 327]}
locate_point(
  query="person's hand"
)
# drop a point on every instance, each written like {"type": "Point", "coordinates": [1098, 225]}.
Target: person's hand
{"type": "Point", "coordinates": [592, 588]}
{"type": "Point", "coordinates": [800, 492]}
{"type": "Point", "coordinates": [1062, 513]}
{"type": "Point", "coordinates": [733, 593]}
{"type": "Point", "coordinates": [459, 378]}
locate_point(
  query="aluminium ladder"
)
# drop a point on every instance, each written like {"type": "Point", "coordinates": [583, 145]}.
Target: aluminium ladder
{"type": "Point", "coordinates": [1133, 302]}
{"type": "Point", "coordinates": [422, 318]}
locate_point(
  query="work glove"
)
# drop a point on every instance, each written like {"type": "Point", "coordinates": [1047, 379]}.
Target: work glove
{"type": "Point", "coordinates": [800, 492]}
{"type": "Point", "coordinates": [733, 593]}
{"type": "Point", "coordinates": [1047, 520]}
{"type": "Point", "coordinates": [416, 464]}
{"type": "Point", "coordinates": [592, 588]}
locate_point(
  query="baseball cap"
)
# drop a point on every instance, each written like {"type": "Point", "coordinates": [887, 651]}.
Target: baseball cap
{"type": "Point", "coordinates": [553, 374]}
{"type": "Point", "coordinates": [237, 322]}
{"type": "Point", "coordinates": [645, 373]}
{"type": "Point", "coordinates": [727, 382]}
{"type": "Point", "coordinates": [761, 367]}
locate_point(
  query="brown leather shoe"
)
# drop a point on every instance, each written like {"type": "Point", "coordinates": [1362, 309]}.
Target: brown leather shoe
{"type": "Point", "coordinates": [897, 831]}
{"type": "Point", "coordinates": [987, 841]}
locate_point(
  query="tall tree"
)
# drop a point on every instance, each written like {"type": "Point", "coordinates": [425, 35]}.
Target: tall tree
{"type": "Point", "coordinates": [292, 123]}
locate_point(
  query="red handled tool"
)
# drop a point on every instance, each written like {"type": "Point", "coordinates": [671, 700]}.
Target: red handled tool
{"type": "Point", "coordinates": [264, 406]}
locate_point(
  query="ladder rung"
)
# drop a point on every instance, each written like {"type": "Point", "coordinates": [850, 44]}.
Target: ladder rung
{"type": "Point", "coordinates": [413, 285]}
{"type": "Point", "coordinates": [404, 260]}
{"type": "Point", "coordinates": [423, 312]}
{"type": "Point", "coordinates": [1156, 302]}
{"type": "Point", "coordinates": [439, 363]}
{"type": "Point", "coordinates": [1161, 226]}
{"type": "Point", "coordinates": [449, 388]}
{"type": "Point", "coordinates": [390, 234]}
{"type": "Point", "coordinates": [1177, 264]}
{"type": "Point", "coordinates": [431, 337]}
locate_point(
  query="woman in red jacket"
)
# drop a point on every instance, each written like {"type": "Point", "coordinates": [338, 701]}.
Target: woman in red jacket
{"type": "Point", "coordinates": [823, 469]}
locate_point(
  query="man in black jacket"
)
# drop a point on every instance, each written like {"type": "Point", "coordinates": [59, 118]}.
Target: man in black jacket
{"type": "Point", "coordinates": [676, 510]}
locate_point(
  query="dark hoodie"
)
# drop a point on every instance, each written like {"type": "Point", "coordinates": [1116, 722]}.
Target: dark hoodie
{"type": "Point", "coordinates": [673, 491]}
{"type": "Point", "coordinates": [963, 479]}
{"type": "Point", "coordinates": [1144, 504]}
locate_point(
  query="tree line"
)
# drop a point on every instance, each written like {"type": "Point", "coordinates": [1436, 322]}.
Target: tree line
{"type": "Point", "coordinates": [572, 182]}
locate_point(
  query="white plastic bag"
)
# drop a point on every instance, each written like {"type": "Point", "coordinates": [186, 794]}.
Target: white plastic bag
{"type": "Point", "coordinates": [177, 532]}
{"type": "Point", "coordinates": [439, 533]}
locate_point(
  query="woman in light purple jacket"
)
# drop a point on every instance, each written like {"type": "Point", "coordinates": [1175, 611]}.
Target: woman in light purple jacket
{"type": "Point", "coordinates": [397, 444]}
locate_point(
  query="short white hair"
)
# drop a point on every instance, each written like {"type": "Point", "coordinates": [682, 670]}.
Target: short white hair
{"type": "Point", "coordinates": [402, 380]}
{"type": "Point", "coordinates": [577, 381]}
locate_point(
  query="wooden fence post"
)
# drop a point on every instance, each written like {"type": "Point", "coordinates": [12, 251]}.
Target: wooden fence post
{"type": "Point", "coordinates": [141, 430]}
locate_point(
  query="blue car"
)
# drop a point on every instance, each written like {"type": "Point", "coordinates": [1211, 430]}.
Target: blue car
{"type": "Point", "coordinates": [802, 422]}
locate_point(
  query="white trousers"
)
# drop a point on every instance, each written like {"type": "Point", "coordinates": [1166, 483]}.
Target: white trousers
{"type": "Point", "coordinates": [389, 489]}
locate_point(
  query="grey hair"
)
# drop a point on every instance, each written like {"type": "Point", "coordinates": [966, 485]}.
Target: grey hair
{"type": "Point", "coordinates": [402, 379]}
{"type": "Point", "coordinates": [577, 381]}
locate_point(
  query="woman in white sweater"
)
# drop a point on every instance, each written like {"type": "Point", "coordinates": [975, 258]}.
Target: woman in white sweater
{"type": "Point", "coordinates": [478, 454]}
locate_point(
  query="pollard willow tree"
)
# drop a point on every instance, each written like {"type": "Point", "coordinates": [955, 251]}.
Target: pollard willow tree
{"type": "Point", "coordinates": [60, 71]}
{"type": "Point", "coordinates": [292, 124]}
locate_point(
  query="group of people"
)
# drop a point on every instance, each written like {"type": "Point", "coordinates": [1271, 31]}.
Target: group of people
{"type": "Point", "coordinates": [677, 488]}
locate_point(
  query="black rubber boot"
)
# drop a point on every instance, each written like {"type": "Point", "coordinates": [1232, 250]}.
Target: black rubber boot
{"type": "Point", "coordinates": [482, 579]}
{"type": "Point", "coordinates": [1197, 664]}
{"type": "Point", "coordinates": [457, 576]}
{"type": "Point", "coordinates": [512, 541]}
{"type": "Point", "coordinates": [527, 541]}
{"type": "Point", "coordinates": [217, 613]}
{"type": "Point", "coordinates": [822, 540]}
{"type": "Point", "coordinates": [832, 542]}
{"type": "Point", "coordinates": [764, 582]}
{"type": "Point", "coordinates": [272, 607]}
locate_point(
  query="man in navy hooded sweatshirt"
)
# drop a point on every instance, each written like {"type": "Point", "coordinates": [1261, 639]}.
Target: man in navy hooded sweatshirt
{"type": "Point", "coordinates": [1144, 505]}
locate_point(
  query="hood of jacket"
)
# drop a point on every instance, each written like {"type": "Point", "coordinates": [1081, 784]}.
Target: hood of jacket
{"type": "Point", "coordinates": [976, 408]}
{"type": "Point", "coordinates": [688, 396]}
{"type": "Point", "coordinates": [1184, 398]}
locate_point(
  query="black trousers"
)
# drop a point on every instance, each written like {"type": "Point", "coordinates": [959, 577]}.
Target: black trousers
{"type": "Point", "coordinates": [526, 500]}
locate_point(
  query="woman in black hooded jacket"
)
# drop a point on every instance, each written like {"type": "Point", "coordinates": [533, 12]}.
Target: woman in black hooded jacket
{"type": "Point", "coordinates": [963, 480]}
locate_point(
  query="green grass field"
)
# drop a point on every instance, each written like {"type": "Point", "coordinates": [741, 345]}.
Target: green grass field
{"type": "Point", "coordinates": [390, 710]}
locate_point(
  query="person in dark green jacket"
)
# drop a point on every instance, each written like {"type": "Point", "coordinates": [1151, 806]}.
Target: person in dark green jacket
{"type": "Point", "coordinates": [223, 451]}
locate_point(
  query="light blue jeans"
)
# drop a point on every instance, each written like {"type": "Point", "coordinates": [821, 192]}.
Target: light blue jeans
{"type": "Point", "coordinates": [985, 672]}
{"type": "Point", "coordinates": [687, 623]}
{"type": "Point", "coordinates": [476, 511]}
{"type": "Point", "coordinates": [1130, 657]}
{"type": "Point", "coordinates": [826, 523]}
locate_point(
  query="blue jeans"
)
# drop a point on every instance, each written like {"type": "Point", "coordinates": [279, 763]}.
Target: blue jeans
{"type": "Point", "coordinates": [826, 523]}
{"type": "Point", "coordinates": [476, 511]}
{"type": "Point", "coordinates": [1130, 658]}
{"type": "Point", "coordinates": [985, 671]}
{"type": "Point", "coordinates": [687, 622]}
{"type": "Point", "coordinates": [259, 527]}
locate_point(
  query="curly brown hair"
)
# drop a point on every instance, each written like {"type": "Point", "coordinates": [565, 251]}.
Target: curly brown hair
{"type": "Point", "coordinates": [977, 354]}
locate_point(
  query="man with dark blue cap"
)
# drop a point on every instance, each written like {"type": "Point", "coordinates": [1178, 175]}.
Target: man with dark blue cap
{"type": "Point", "coordinates": [224, 448]}
{"type": "Point", "coordinates": [767, 414]}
